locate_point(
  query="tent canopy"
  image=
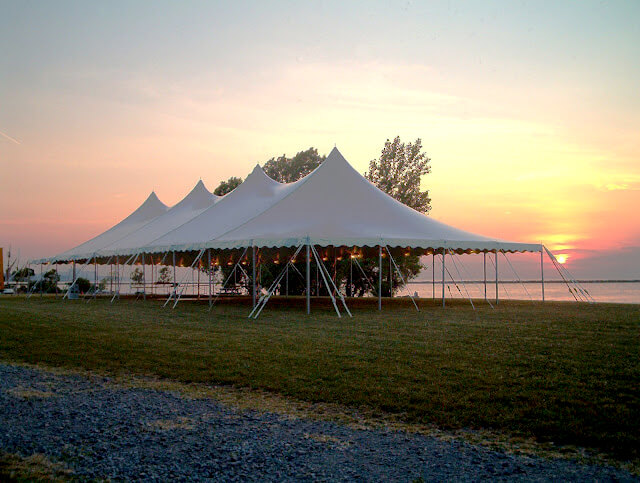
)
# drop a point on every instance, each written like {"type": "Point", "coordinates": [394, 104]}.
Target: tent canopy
{"type": "Point", "coordinates": [147, 211]}
{"type": "Point", "coordinates": [198, 199]}
{"type": "Point", "coordinates": [332, 206]}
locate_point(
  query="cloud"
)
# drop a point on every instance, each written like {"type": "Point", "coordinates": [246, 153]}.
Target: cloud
{"type": "Point", "coordinates": [10, 138]}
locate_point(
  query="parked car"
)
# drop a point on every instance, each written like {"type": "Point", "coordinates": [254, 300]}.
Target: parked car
{"type": "Point", "coordinates": [8, 291]}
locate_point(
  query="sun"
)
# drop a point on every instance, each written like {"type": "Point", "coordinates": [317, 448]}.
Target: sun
{"type": "Point", "coordinates": [562, 258]}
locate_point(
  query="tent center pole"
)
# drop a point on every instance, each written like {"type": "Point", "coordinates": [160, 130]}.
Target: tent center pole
{"type": "Point", "coordinates": [209, 272]}
{"type": "Point", "coordinates": [308, 281]}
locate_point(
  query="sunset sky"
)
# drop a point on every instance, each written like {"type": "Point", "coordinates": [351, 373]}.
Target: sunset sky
{"type": "Point", "coordinates": [530, 111]}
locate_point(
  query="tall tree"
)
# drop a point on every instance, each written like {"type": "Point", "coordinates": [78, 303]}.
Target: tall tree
{"type": "Point", "coordinates": [398, 172]}
{"type": "Point", "coordinates": [227, 186]}
{"type": "Point", "coordinates": [288, 170]}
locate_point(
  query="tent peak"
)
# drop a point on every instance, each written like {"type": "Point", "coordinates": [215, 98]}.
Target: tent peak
{"type": "Point", "coordinates": [334, 156]}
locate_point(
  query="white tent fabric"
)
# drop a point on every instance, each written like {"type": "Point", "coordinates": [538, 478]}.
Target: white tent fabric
{"type": "Point", "coordinates": [336, 205]}
{"type": "Point", "coordinates": [198, 200]}
{"type": "Point", "coordinates": [257, 193]}
{"type": "Point", "coordinates": [147, 211]}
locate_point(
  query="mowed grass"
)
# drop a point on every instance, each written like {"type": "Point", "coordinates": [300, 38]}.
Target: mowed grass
{"type": "Point", "coordinates": [561, 372]}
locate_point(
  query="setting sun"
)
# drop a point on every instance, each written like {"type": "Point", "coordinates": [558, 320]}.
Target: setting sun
{"type": "Point", "coordinates": [562, 258]}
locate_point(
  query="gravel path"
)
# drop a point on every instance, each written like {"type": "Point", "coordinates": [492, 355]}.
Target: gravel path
{"type": "Point", "coordinates": [101, 430]}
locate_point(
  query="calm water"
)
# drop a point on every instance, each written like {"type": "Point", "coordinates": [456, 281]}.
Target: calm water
{"type": "Point", "coordinates": [617, 292]}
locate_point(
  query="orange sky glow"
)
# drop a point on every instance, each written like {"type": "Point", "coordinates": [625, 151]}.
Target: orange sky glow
{"type": "Point", "coordinates": [533, 135]}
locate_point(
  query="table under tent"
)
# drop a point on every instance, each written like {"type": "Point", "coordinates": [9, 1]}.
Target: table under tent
{"type": "Point", "coordinates": [332, 214]}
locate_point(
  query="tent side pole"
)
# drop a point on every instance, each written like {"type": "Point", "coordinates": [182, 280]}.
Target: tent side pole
{"type": "Point", "coordinates": [433, 275]}
{"type": "Point", "coordinates": [379, 277]}
{"type": "Point", "coordinates": [209, 271]}
{"type": "Point", "coordinates": [484, 271]}
{"type": "Point", "coordinates": [253, 276]}
{"type": "Point", "coordinates": [308, 281]}
{"type": "Point", "coordinates": [174, 273]}
{"type": "Point", "coordinates": [443, 287]}
{"type": "Point", "coordinates": [542, 270]}
{"type": "Point", "coordinates": [497, 296]}
{"type": "Point", "coordinates": [390, 275]}
{"type": "Point", "coordinates": [144, 278]}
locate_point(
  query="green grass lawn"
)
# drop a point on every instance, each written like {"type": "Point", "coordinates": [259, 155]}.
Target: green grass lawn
{"type": "Point", "coordinates": [560, 372]}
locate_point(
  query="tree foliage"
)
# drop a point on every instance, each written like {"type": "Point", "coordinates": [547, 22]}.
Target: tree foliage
{"type": "Point", "coordinates": [164, 276]}
{"type": "Point", "coordinates": [83, 284]}
{"type": "Point", "coordinates": [227, 186]}
{"type": "Point", "coordinates": [398, 172]}
{"type": "Point", "coordinates": [288, 170]}
{"type": "Point", "coordinates": [23, 274]}
{"type": "Point", "coordinates": [137, 276]}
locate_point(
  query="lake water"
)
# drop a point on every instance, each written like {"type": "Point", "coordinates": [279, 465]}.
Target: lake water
{"type": "Point", "coordinates": [617, 292]}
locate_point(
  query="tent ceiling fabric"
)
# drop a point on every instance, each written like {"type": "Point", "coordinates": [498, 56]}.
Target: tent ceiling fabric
{"type": "Point", "coordinates": [332, 206]}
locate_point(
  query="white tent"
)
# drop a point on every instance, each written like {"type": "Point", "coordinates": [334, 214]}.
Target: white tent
{"type": "Point", "coordinates": [147, 211]}
{"type": "Point", "coordinates": [198, 200]}
{"type": "Point", "coordinates": [334, 205]}
{"type": "Point", "coordinates": [257, 193]}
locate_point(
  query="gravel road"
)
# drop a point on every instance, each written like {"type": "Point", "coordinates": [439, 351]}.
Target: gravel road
{"type": "Point", "coordinates": [101, 430]}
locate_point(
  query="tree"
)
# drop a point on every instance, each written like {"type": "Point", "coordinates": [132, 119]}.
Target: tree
{"type": "Point", "coordinates": [398, 172]}
{"type": "Point", "coordinates": [288, 170]}
{"type": "Point", "coordinates": [23, 274]}
{"type": "Point", "coordinates": [137, 276]}
{"type": "Point", "coordinates": [50, 281]}
{"type": "Point", "coordinates": [227, 186]}
{"type": "Point", "coordinates": [83, 284]}
{"type": "Point", "coordinates": [164, 276]}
